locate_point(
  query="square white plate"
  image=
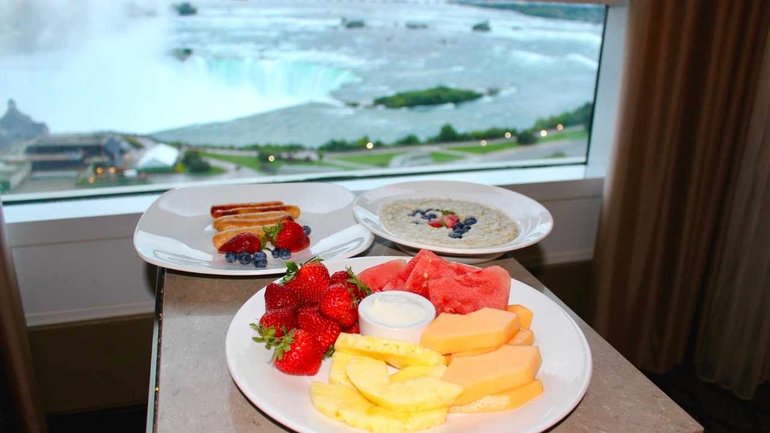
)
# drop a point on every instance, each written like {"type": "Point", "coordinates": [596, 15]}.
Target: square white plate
{"type": "Point", "coordinates": [176, 230]}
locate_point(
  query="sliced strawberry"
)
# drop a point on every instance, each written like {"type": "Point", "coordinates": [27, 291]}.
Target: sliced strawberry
{"type": "Point", "coordinates": [451, 219]}
{"type": "Point", "coordinates": [309, 281]}
{"type": "Point", "coordinates": [435, 222]}
{"type": "Point", "coordinates": [279, 296]}
{"type": "Point", "coordinates": [242, 242]}
{"type": "Point", "coordinates": [299, 353]}
{"type": "Point", "coordinates": [325, 330]}
{"type": "Point", "coordinates": [338, 304]}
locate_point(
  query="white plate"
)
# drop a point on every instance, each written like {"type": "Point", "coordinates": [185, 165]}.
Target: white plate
{"type": "Point", "coordinates": [176, 230]}
{"type": "Point", "coordinates": [533, 221]}
{"type": "Point", "coordinates": [565, 372]}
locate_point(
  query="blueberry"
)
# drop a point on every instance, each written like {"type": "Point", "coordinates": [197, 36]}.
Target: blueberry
{"type": "Point", "coordinates": [470, 221]}
{"type": "Point", "coordinates": [430, 216]}
{"type": "Point", "coordinates": [231, 257]}
{"type": "Point", "coordinates": [307, 230]}
{"type": "Point", "coordinates": [284, 253]}
{"type": "Point", "coordinates": [274, 252]}
{"type": "Point", "coordinates": [260, 263]}
{"type": "Point", "coordinates": [245, 258]}
{"type": "Point", "coordinates": [455, 235]}
{"type": "Point", "coordinates": [458, 227]}
{"type": "Point", "coordinates": [260, 255]}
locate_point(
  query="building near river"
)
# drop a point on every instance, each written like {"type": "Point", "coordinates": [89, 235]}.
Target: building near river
{"type": "Point", "coordinates": [76, 151]}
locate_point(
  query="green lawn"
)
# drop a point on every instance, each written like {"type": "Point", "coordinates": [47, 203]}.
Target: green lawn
{"type": "Point", "coordinates": [374, 159]}
{"type": "Point", "coordinates": [244, 161]}
{"type": "Point", "coordinates": [489, 148]}
{"type": "Point", "coordinates": [441, 157]}
{"type": "Point", "coordinates": [567, 135]}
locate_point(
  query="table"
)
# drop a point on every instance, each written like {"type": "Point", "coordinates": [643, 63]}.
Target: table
{"type": "Point", "coordinates": [191, 389]}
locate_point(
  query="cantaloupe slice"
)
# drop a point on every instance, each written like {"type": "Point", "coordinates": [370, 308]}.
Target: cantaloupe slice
{"type": "Point", "coordinates": [483, 329]}
{"type": "Point", "coordinates": [505, 400]}
{"type": "Point", "coordinates": [494, 372]}
{"type": "Point", "coordinates": [525, 315]}
{"type": "Point", "coordinates": [524, 337]}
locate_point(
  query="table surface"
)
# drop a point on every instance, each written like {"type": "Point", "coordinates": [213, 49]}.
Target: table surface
{"type": "Point", "coordinates": [192, 391]}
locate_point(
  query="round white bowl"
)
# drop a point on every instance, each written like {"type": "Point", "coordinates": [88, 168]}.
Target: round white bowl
{"type": "Point", "coordinates": [395, 314]}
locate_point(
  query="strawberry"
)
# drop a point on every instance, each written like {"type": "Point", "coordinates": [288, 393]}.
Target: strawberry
{"type": "Point", "coordinates": [299, 353]}
{"type": "Point", "coordinates": [309, 281]}
{"type": "Point", "coordinates": [279, 296]}
{"type": "Point", "coordinates": [358, 288]}
{"type": "Point", "coordinates": [242, 242]}
{"type": "Point", "coordinates": [288, 235]}
{"type": "Point", "coordinates": [325, 330]}
{"type": "Point", "coordinates": [436, 222]}
{"type": "Point", "coordinates": [451, 219]}
{"type": "Point", "coordinates": [274, 324]}
{"type": "Point", "coordinates": [339, 305]}
{"type": "Point", "coordinates": [353, 329]}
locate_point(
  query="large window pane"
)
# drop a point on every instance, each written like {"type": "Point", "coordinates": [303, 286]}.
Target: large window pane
{"type": "Point", "coordinates": [136, 93]}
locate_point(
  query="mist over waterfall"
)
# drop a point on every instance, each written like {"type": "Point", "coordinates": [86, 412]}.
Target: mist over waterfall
{"type": "Point", "coordinates": [112, 68]}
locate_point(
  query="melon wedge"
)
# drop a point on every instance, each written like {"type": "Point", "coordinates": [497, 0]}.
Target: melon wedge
{"type": "Point", "coordinates": [487, 328]}
{"type": "Point", "coordinates": [525, 315]}
{"type": "Point", "coordinates": [494, 372]}
{"type": "Point", "coordinates": [524, 337]}
{"type": "Point", "coordinates": [505, 400]}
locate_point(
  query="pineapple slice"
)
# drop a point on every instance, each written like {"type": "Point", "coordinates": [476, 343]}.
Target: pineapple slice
{"type": "Point", "coordinates": [506, 400]}
{"type": "Point", "coordinates": [347, 405]}
{"type": "Point", "coordinates": [370, 377]}
{"type": "Point", "coordinates": [397, 353]}
{"type": "Point", "coordinates": [337, 375]}
{"type": "Point", "coordinates": [415, 371]}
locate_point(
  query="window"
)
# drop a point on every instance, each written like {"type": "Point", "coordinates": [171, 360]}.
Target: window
{"type": "Point", "coordinates": [126, 96]}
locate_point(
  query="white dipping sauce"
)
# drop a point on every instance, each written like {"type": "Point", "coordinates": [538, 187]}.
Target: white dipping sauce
{"type": "Point", "coordinates": [395, 314]}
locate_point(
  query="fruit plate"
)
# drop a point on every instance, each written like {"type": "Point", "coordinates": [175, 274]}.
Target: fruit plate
{"type": "Point", "coordinates": [565, 372]}
{"type": "Point", "coordinates": [176, 230]}
{"type": "Point", "coordinates": [533, 221]}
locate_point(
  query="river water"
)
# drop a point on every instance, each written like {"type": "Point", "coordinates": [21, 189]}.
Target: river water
{"type": "Point", "coordinates": [291, 71]}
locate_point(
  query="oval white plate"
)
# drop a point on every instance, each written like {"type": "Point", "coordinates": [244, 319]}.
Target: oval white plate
{"type": "Point", "coordinates": [176, 230]}
{"type": "Point", "coordinates": [565, 372]}
{"type": "Point", "coordinates": [533, 221]}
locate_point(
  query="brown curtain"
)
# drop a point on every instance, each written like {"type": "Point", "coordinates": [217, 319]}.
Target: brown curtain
{"type": "Point", "coordinates": [21, 408]}
{"type": "Point", "coordinates": [691, 77]}
{"type": "Point", "coordinates": [736, 315]}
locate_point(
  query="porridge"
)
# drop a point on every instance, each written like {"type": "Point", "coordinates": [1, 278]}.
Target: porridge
{"type": "Point", "coordinates": [447, 222]}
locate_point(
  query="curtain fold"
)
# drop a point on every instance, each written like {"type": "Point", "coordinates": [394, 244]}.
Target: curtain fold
{"type": "Point", "coordinates": [736, 313]}
{"type": "Point", "coordinates": [690, 76]}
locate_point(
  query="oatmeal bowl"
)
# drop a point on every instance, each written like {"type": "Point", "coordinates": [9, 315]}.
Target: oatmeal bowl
{"type": "Point", "coordinates": [467, 221]}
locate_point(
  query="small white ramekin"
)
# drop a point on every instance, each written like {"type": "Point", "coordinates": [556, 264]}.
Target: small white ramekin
{"type": "Point", "coordinates": [378, 315]}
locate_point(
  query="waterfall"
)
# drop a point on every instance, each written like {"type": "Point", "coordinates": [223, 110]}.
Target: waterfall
{"type": "Point", "coordinates": [281, 79]}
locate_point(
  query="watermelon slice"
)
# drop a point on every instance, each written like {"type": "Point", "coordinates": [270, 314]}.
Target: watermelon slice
{"type": "Point", "coordinates": [462, 294]}
{"type": "Point", "coordinates": [451, 287]}
{"type": "Point", "coordinates": [378, 276]}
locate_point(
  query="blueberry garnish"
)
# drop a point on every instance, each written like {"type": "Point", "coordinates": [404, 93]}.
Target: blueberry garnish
{"type": "Point", "coordinates": [284, 253]}
{"type": "Point", "coordinates": [274, 252]}
{"type": "Point", "coordinates": [455, 235]}
{"type": "Point", "coordinates": [430, 216]}
{"type": "Point", "coordinates": [245, 258]}
{"type": "Point", "coordinates": [231, 257]}
{"type": "Point", "coordinates": [260, 255]}
{"type": "Point", "coordinates": [307, 230]}
{"type": "Point", "coordinates": [260, 263]}
{"type": "Point", "coordinates": [470, 221]}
